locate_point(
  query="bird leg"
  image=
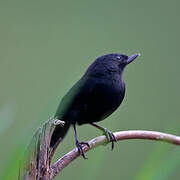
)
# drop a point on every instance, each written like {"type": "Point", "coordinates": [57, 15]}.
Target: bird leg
{"type": "Point", "coordinates": [109, 135]}
{"type": "Point", "coordinates": [79, 144]}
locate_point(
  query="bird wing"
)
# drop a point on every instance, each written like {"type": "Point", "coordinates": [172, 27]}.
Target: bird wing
{"type": "Point", "coordinates": [70, 99]}
{"type": "Point", "coordinates": [90, 99]}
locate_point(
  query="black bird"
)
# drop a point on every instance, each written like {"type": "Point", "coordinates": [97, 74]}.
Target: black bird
{"type": "Point", "coordinates": [94, 97]}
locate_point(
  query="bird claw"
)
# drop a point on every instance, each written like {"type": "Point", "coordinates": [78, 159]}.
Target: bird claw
{"type": "Point", "coordinates": [110, 137]}
{"type": "Point", "coordinates": [79, 145]}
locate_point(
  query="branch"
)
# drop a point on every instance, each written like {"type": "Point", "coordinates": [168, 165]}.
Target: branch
{"type": "Point", "coordinates": [36, 163]}
{"type": "Point", "coordinates": [64, 161]}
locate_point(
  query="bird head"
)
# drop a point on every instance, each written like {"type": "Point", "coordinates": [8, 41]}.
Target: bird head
{"type": "Point", "coordinates": [114, 63]}
{"type": "Point", "coordinates": [117, 61]}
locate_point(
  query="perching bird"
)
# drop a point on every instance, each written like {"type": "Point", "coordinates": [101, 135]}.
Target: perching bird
{"type": "Point", "coordinates": [94, 97]}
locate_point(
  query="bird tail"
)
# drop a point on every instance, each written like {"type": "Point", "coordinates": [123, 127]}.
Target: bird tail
{"type": "Point", "coordinates": [59, 133]}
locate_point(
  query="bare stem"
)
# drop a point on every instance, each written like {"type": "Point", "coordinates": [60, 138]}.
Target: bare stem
{"type": "Point", "coordinates": [122, 135]}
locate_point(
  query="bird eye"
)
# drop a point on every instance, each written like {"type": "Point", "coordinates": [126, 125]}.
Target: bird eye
{"type": "Point", "coordinates": [118, 58]}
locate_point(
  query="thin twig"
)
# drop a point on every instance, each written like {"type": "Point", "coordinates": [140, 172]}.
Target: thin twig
{"type": "Point", "coordinates": [122, 135]}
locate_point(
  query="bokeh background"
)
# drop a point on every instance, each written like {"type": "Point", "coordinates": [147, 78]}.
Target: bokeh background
{"type": "Point", "coordinates": [45, 47]}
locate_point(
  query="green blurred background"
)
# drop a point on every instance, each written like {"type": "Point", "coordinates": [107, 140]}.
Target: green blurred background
{"type": "Point", "coordinates": [45, 47]}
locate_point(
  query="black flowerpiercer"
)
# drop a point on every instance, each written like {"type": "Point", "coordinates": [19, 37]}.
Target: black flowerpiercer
{"type": "Point", "coordinates": [94, 97]}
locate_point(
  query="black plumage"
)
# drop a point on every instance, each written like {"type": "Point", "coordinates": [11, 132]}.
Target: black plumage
{"type": "Point", "coordinates": [94, 97]}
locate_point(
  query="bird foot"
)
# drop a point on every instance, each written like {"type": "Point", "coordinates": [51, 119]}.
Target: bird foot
{"type": "Point", "coordinates": [79, 145]}
{"type": "Point", "coordinates": [110, 137]}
